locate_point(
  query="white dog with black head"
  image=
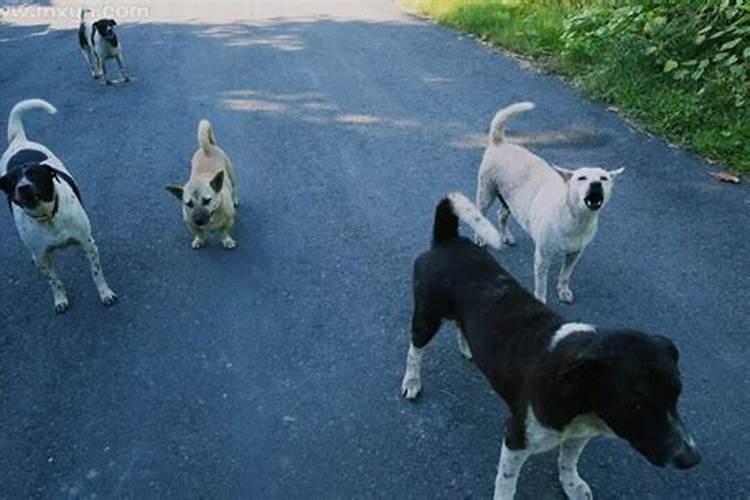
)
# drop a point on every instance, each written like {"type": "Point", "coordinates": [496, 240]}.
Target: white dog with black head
{"type": "Point", "coordinates": [99, 43]}
{"type": "Point", "coordinates": [559, 208]}
{"type": "Point", "coordinates": [46, 204]}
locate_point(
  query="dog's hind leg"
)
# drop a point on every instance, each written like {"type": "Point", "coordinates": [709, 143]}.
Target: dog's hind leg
{"type": "Point", "coordinates": [575, 487]}
{"type": "Point", "coordinates": [541, 272]}
{"type": "Point", "coordinates": [485, 196]}
{"type": "Point", "coordinates": [424, 327]}
{"type": "Point", "coordinates": [44, 263]}
{"type": "Point", "coordinates": [563, 283]}
{"type": "Point", "coordinates": [503, 214]}
{"type": "Point", "coordinates": [508, 471]}
{"type": "Point", "coordinates": [106, 294]}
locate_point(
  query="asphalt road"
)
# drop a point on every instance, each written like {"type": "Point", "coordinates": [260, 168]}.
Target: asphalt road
{"type": "Point", "coordinates": [273, 371]}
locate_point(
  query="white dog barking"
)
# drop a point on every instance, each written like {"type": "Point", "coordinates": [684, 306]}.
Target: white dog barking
{"type": "Point", "coordinates": [559, 208]}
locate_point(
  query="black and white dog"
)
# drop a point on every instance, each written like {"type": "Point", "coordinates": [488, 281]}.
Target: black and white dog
{"type": "Point", "coordinates": [46, 204]}
{"type": "Point", "coordinates": [99, 43]}
{"type": "Point", "coordinates": [564, 383]}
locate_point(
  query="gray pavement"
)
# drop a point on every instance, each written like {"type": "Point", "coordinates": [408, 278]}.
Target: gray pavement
{"type": "Point", "coordinates": [273, 371]}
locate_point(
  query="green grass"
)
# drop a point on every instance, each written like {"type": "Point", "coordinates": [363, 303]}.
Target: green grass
{"type": "Point", "coordinates": [613, 70]}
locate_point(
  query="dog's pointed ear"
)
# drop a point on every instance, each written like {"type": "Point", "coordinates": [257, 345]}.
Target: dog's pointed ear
{"type": "Point", "coordinates": [176, 190]}
{"type": "Point", "coordinates": [666, 344]}
{"type": "Point", "coordinates": [615, 173]}
{"type": "Point", "coordinates": [218, 181]}
{"type": "Point", "coordinates": [564, 172]}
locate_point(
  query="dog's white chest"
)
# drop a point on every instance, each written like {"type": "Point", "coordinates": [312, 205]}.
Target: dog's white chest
{"type": "Point", "coordinates": [540, 438]}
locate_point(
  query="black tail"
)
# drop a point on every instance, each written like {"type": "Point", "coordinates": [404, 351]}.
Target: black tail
{"type": "Point", "coordinates": [446, 222]}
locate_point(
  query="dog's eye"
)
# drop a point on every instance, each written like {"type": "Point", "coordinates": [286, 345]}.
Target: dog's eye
{"type": "Point", "coordinates": [604, 178]}
{"type": "Point", "coordinates": [582, 178]}
{"type": "Point", "coordinates": [190, 203]}
{"type": "Point", "coordinates": [206, 201]}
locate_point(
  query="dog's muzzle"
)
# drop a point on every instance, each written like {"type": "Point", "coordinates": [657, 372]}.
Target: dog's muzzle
{"type": "Point", "coordinates": [595, 197]}
{"type": "Point", "coordinates": [201, 217]}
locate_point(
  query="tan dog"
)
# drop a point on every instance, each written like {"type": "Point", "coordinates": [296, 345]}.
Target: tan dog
{"type": "Point", "coordinates": [210, 196]}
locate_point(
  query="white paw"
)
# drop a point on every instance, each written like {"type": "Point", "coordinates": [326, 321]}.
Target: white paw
{"type": "Point", "coordinates": [410, 387]}
{"type": "Point", "coordinates": [478, 240]}
{"type": "Point", "coordinates": [577, 489]}
{"type": "Point", "coordinates": [228, 243]}
{"type": "Point", "coordinates": [108, 297]}
{"type": "Point", "coordinates": [198, 243]}
{"type": "Point", "coordinates": [61, 305]}
{"type": "Point", "coordinates": [565, 295]}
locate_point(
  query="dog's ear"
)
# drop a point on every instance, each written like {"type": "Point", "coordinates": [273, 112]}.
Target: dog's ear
{"type": "Point", "coordinates": [111, 22]}
{"type": "Point", "coordinates": [564, 172]}
{"type": "Point", "coordinates": [98, 25]}
{"type": "Point", "coordinates": [615, 173]}
{"type": "Point", "coordinates": [218, 181]}
{"type": "Point", "coordinates": [6, 184]}
{"type": "Point", "coordinates": [669, 346]}
{"type": "Point", "coordinates": [177, 191]}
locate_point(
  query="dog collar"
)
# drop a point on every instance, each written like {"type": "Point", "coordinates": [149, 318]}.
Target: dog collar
{"type": "Point", "coordinates": [48, 217]}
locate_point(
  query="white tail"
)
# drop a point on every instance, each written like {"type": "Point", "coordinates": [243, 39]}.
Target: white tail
{"type": "Point", "coordinates": [82, 15]}
{"type": "Point", "coordinates": [15, 124]}
{"type": "Point", "coordinates": [467, 212]}
{"type": "Point", "coordinates": [206, 137]}
{"type": "Point", "coordinates": [497, 129]}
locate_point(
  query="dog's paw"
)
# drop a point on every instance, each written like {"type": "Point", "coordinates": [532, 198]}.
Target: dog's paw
{"type": "Point", "coordinates": [565, 295]}
{"type": "Point", "coordinates": [61, 305]}
{"type": "Point", "coordinates": [126, 79]}
{"type": "Point", "coordinates": [198, 243]}
{"type": "Point", "coordinates": [228, 243]}
{"type": "Point", "coordinates": [411, 387]}
{"type": "Point", "coordinates": [576, 489]}
{"type": "Point", "coordinates": [508, 239]}
{"type": "Point", "coordinates": [107, 82]}
{"type": "Point", "coordinates": [478, 241]}
{"type": "Point", "coordinates": [108, 297]}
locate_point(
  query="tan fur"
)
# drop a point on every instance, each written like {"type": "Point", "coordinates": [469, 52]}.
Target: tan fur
{"type": "Point", "coordinates": [208, 161]}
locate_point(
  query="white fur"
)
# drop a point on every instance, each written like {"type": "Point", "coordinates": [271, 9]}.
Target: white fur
{"type": "Point", "coordinates": [468, 213]}
{"type": "Point", "coordinates": [15, 125]}
{"type": "Point", "coordinates": [411, 384]}
{"type": "Point", "coordinates": [566, 330]}
{"type": "Point", "coordinates": [539, 439]}
{"type": "Point", "coordinates": [69, 226]}
{"type": "Point", "coordinates": [548, 203]}
{"type": "Point", "coordinates": [206, 137]}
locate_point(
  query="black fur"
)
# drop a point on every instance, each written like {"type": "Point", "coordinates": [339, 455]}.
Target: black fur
{"type": "Point", "coordinates": [29, 163]}
{"type": "Point", "coordinates": [105, 28]}
{"type": "Point", "coordinates": [627, 378]}
{"type": "Point", "coordinates": [82, 41]}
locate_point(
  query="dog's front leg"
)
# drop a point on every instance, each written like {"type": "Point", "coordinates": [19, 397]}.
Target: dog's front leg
{"type": "Point", "coordinates": [566, 271]}
{"type": "Point", "coordinates": [411, 384]}
{"type": "Point", "coordinates": [44, 263]}
{"type": "Point", "coordinates": [199, 237]}
{"type": "Point", "coordinates": [508, 471]}
{"type": "Point", "coordinates": [541, 272]}
{"type": "Point", "coordinates": [575, 487]}
{"type": "Point", "coordinates": [121, 66]}
{"type": "Point", "coordinates": [106, 294]}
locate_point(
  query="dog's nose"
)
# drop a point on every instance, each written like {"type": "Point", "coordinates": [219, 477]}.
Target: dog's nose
{"type": "Point", "coordinates": [596, 185]}
{"type": "Point", "coordinates": [688, 457]}
{"type": "Point", "coordinates": [200, 218]}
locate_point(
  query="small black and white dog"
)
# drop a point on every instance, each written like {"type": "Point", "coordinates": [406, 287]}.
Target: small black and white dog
{"type": "Point", "coordinates": [99, 43]}
{"type": "Point", "coordinates": [46, 204]}
{"type": "Point", "coordinates": [564, 383]}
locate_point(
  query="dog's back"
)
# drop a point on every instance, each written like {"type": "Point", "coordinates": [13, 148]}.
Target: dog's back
{"type": "Point", "coordinates": [209, 158]}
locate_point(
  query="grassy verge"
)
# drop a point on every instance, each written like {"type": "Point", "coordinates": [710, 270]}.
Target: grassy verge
{"type": "Point", "coordinates": [681, 72]}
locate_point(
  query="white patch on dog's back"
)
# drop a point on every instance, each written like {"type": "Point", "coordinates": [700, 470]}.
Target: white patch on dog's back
{"type": "Point", "coordinates": [566, 330]}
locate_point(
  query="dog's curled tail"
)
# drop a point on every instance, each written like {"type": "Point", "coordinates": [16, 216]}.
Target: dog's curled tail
{"type": "Point", "coordinates": [82, 14]}
{"type": "Point", "coordinates": [15, 124]}
{"type": "Point", "coordinates": [206, 137]}
{"type": "Point", "coordinates": [455, 207]}
{"type": "Point", "coordinates": [497, 129]}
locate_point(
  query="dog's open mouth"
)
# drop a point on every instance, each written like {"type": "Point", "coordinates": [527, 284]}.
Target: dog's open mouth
{"type": "Point", "coordinates": [594, 202]}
